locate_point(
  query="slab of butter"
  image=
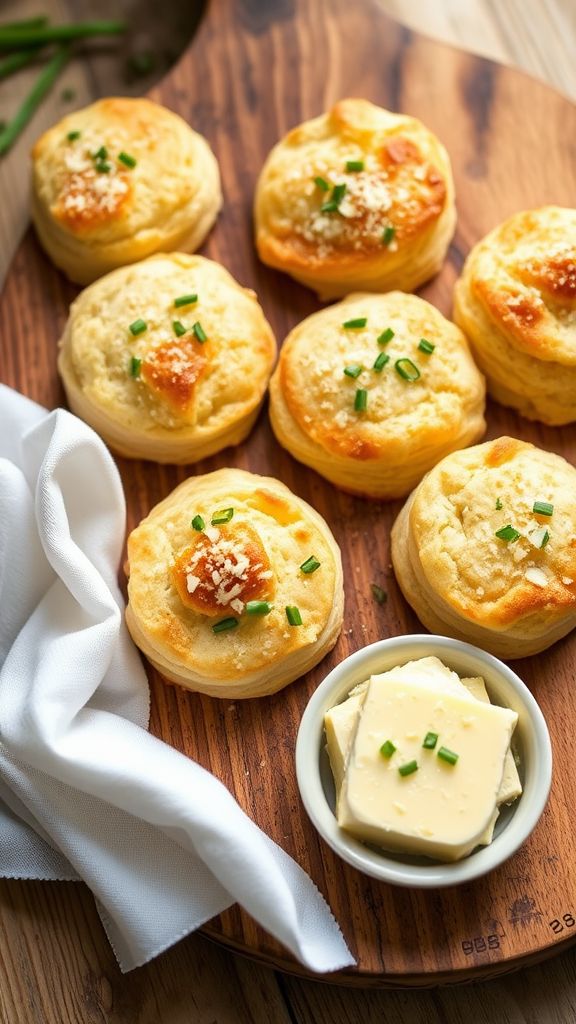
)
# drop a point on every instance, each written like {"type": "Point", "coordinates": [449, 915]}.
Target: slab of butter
{"type": "Point", "coordinates": [441, 810]}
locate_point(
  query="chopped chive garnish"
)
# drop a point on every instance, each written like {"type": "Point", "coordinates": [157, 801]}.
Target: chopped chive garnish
{"type": "Point", "coordinates": [138, 327]}
{"type": "Point", "coordinates": [72, 136]}
{"type": "Point", "coordinates": [321, 183]}
{"type": "Point", "coordinates": [199, 332]}
{"type": "Point", "coordinates": [178, 328]}
{"type": "Point", "coordinates": [379, 595]}
{"type": "Point", "coordinates": [224, 624]}
{"type": "Point", "coordinates": [540, 537]}
{"type": "Point", "coordinates": [388, 234]}
{"type": "Point", "coordinates": [126, 159]}
{"type": "Point", "coordinates": [101, 153]}
{"type": "Point", "coordinates": [360, 400]}
{"type": "Point", "coordinates": [185, 300]}
{"type": "Point", "coordinates": [310, 565]}
{"type": "Point", "coordinates": [103, 167]}
{"type": "Point", "coordinates": [198, 523]}
{"type": "Point", "coordinates": [498, 505]}
{"type": "Point", "coordinates": [386, 336]}
{"type": "Point", "coordinates": [354, 165]}
{"type": "Point", "coordinates": [380, 362]}
{"type": "Point", "coordinates": [430, 740]}
{"type": "Point", "coordinates": [293, 615]}
{"type": "Point", "coordinates": [447, 755]}
{"type": "Point", "coordinates": [408, 769]}
{"type": "Point", "coordinates": [258, 607]}
{"type": "Point", "coordinates": [507, 533]}
{"type": "Point", "coordinates": [426, 346]}
{"type": "Point", "coordinates": [224, 515]}
{"type": "Point", "coordinates": [354, 370]}
{"type": "Point", "coordinates": [407, 369]}
{"type": "Point", "coordinates": [332, 204]}
{"type": "Point", "coordinates": [135, 366]}
{"type": "Point", "coordinates": [543, 508]}
{"type": "Point", "coordinates": [355, 325]}
{"type": "Point", "coordinates": [387, 749]}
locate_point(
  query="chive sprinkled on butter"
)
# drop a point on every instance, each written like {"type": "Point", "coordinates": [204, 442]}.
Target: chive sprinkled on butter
{"type": "Point", "coordinates": [355, 324]}
{"type": "Point", "coordinates": [322, 184]}
{"type": "Point", "coordinates": [293, 615]}
{"type": "Point", "coordinates": [498, 505]}
{"type": "Point", "coordinates": [310, 565]}
{"type": "Point", "coordinates": [386, 336]}
{"type": "Point", "coordinates": [406, 369]}
{"type": "Point", "coordinates": [72, 136]}
{"type": "Point", "coordinates": [388, 234]}
{"type": "Point", "coordinates": [223, 515]}
{"type": "Point", "coordinates": [336, 197]}
{"type": "Point", "coordinates": [199, 332]}
{"type": "Point", "coordinates": [225, 624]}
{"type": "Point", "coordinates": [127, 160]}
{"type": "Point", "coordinates": [408, 769]}
{"type": "Point", "coordinates": [102, 166]}
{"type": "Point", "coordinates": [354, 165]}
{"type": "Point", "coordinates": [178, 328]}
{"type": "Point", "coordinates": [138, 327]}
{"type": "Point", "coordinates": [135, 366]}
{"type": "Point", "coordinates": [380, 362]}
{"type": "Point", "coordinates": [354, 370]}
{"type": "Point", "coordinates": [185, 300]}
{"type": "Point", "coordinates": [198, 523]}
{"type": "Point", "coordinates": [430, 740]}
{"type": "Point", "coordinates": [543, 508]}
{"type": "Point", "coordinates": [447, 755]}
{"type": "Point", "coordinates": [361, 400]}
{"type": "Point", "coordinates": [379, 595]}
{"type": "Point", "coordinates": [507, 533]}
{"type": "Point", "coordinates": [101, 153]}
{"type": "Point", "coordinates": [258, 607]}
{"type": "Point", "coordinates": [426, 346]}
{"type": "Point", "coordinates": [387, 749]}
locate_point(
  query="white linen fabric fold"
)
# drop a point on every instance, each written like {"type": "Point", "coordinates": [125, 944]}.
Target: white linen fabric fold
{"type": "Point", "coordinates": [87, 792]}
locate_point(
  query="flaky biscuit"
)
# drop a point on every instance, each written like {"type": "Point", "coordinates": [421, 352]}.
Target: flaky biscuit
{"type": "Point", "coordinates": [158, 394]}
{"type": "Point", "coordinates": [407, 426]}
{"type": "Point", "coordinates": [93, 212]}
{"type": "Point", "coordinates": [185, 581]}
{"type": "Point", "coordinates": [391, 226]}
{"type": "Point", "coordinates": [513, 594]}
{"type": "Point", "coordinates": [516, 302]}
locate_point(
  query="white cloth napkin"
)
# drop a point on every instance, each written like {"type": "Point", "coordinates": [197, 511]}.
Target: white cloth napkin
{"type": "Point", "coordinates": [88, 793]}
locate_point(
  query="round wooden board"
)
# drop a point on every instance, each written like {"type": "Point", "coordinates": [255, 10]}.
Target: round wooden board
{"type": "Point", "coordinates": [254, 70]}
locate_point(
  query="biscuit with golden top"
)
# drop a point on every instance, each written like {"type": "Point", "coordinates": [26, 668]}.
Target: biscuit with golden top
{"type": "Point", "coordinates": [213, 571]}
{"type": "Point", "coordinates": [167, 359]}
{"type": "Point", "coordinates": [516, 302]}
{"type": "Point", "coordinates": [357, 199]}
{"type": "Point", "coordinates": [118, 181]}
{"type": "Point", "coordinates": [485, 548]}
{"type": "Point", "coordinates": [373, 391]}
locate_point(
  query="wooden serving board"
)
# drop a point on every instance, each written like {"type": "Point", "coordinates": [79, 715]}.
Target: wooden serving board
{"type": "Point", "coordinates": [255, 68]}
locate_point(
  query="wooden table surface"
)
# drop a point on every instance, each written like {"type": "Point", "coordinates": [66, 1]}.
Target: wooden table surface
{"type": "Point", "coordinates": [49, 973]}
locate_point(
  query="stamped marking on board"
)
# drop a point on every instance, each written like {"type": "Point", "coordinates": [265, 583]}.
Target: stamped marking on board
{"type": "Point", "coordinates": [524, 911]}
{"type": "Point", "coordinates": [486, 942]}
{"type": "Point", "coordinates": [562, 924]}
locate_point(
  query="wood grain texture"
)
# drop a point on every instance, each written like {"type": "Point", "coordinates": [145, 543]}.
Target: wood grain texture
{"type": "Point", "coordinates": [251, 77]}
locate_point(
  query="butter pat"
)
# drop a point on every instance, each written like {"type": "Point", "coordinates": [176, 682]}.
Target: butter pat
{"type": "Point", "coordinates": [440, 810]}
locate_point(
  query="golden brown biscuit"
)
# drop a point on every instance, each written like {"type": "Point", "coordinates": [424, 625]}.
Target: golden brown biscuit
{"type": "Point", "coordinates": [516, 302]}
{"type": "Point", "coordinates": [485, 548]}
{"type": "Point", "coordinates": [118, 181]}
{"type": "Point", "coordinates": [167, 359]}
{"type": "Point", "coordinates": [357, 199]}
{"type": "Point", "coordinates": [217, 543]}
{"type": "Point", "coordinates": [343, 399]}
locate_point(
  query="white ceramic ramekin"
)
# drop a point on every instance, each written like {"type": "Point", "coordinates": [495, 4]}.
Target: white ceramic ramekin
{"type": "Point", "coordinates": [531, 740]}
